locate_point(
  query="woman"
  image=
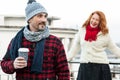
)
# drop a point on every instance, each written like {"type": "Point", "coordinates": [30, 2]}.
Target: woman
{"type": "Point", "coordinates": [92, 40]}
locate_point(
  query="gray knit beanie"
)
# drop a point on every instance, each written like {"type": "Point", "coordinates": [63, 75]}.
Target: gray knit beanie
{"type": "Point", "coordinates": [33, 8]}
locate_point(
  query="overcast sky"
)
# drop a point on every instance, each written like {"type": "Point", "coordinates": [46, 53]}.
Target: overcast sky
{"type": "Point", "coordinates": [71, 12]}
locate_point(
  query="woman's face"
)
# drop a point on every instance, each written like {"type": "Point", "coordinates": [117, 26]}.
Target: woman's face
{"type": "Point", "coordinates": [95, 20]}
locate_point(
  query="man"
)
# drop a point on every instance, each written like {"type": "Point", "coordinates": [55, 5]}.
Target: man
{"type": "Point", "coordinates": [46, 56]}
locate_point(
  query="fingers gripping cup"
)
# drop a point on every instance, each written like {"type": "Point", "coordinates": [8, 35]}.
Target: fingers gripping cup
{"type": "Point", "coordinates": [23, 52]}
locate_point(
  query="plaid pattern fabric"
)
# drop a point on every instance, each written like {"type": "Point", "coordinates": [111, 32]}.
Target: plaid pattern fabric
{"type": "Point", "coordinates": [55, 66]}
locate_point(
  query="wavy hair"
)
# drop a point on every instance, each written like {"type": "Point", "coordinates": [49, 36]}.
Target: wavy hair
{"type": "Point", "coordinates": [102, 24]}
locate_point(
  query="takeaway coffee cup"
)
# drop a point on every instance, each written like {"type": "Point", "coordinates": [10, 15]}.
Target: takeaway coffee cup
{"type": "Point", "coordinates": [23, 52]}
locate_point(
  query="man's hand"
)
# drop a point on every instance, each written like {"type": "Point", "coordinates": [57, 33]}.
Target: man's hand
{"type": "Point", "coordinates": [20, 63]}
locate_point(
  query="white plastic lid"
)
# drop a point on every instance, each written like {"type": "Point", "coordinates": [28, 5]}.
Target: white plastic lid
{"type": "Point", "coordinates": [23, 50]}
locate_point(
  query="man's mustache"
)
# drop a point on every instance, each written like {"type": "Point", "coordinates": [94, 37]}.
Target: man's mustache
{"type": "Point", "coordinates": [42, 23]}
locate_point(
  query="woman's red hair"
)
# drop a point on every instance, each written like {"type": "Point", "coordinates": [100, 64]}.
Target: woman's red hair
{"type": "Point", "coordinates": [102, 24]}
